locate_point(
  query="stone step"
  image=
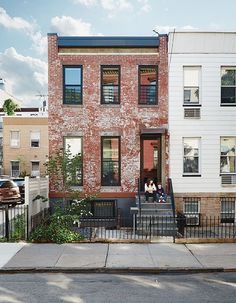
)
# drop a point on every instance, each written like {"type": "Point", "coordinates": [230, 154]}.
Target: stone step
{"type": "Point", "coordinates": [156, 206]}
{"type": "Point", "coordinates": [142, 199]}
{"type": "Point", "coordinates": [156, 212]}
{"type": "Point", "coordinates": [156, 232]}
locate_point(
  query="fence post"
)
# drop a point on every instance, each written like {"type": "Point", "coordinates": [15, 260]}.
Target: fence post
{"type": "Point", "coordinates": [7, 234]}
{"type": "Point", "coordinates": [28, 203]}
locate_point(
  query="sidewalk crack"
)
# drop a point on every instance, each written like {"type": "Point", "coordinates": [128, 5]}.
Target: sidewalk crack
{"type": "Point", "coordinates": [60, 256]}
{"type": "Point", "coordinates": [194, 255]}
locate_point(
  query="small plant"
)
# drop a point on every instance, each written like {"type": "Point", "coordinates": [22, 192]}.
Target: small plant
{"type": "Point", "coordinates": [18, 224]}
{"type": "Point", "coordinates": [9, 107]}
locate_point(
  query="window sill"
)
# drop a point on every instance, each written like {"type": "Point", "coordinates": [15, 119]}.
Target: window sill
{"type": "Point", "coordinates": [192, 105]}
{"type": "Point", "coordinates": [110, 104]}
{"type": "Point", "coordinates": [192, 175]}
{"type": "Point", "coordinates": [72, 105]}
{"type": "Point", "coordinates": [147, 105]}
{"type": "Point", "coordinates": [227, 104]}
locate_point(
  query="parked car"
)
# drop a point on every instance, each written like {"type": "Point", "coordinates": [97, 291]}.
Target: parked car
{"type": "Point", "coordinates": [20, 182]}
{"type": "Point", "coordinates": [9, 192]}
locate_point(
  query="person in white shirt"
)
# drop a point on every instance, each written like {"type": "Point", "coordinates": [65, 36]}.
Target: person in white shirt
{"type": "Point", "coordinates": [150, 191]}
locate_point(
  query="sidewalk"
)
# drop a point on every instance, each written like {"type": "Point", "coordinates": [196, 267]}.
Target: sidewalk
{"type": "Point", "coordinates": [86, 257]}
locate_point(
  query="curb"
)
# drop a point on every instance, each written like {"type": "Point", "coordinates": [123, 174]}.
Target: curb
{"type": "Point", "coordinates": [103, 270]}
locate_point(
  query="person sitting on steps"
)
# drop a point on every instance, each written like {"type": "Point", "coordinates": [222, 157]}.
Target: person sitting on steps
{"type": "Point", "coordinates": [150, 191]}
{"type": "Point", "coordinates": [161, 195]}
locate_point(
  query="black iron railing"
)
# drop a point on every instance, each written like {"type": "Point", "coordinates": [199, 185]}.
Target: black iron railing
{"type": "Point", "coordinates": [171, 194]}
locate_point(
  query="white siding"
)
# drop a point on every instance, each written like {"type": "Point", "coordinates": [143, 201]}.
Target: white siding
{"type": "Point", "coordinates": [215, 121]}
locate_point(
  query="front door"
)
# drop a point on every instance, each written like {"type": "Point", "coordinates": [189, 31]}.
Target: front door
{"type": "Point", "coordinates": [150, 159]}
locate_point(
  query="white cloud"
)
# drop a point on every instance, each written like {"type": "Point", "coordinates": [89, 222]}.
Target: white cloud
{"type": "Point", "coordinates": [39, 42]}
{"type": "Point", "coordinates": [67, 25]}
{"type": "Point", "coordinates": [86, 2]}
{"type": "Point", "coordinates": [26, 76]}
{"type": "Point", "coordinates": [13, 22]}
{"type": "Point", "coordinates": [165, 29]}
{"type": "Point", "coordinates": [145, 6]}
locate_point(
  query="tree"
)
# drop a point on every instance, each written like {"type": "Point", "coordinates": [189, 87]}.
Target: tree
{"type": "Point", "coordinates": [9, 107]}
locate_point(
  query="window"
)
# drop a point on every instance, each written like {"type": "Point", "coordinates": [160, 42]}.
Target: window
{"type": "Point", "coordinates": [34, 138]}
{"type": "Point", "coordinates": [110, 161]}
{"type": "Point", "coordinates": [110, 84]}
{"type": "Point", "coordinates": [15, 139]}
{"type": "Point", "coordinates": [191, 85]}
{"type": "Point", "coordinates": [191, 156]}
{"type": "Point", "coordinates": [228, 210]}
{"type": "Point", "coordinates": [155, 156]}
{"type": "Point", "coordinates": [192, 210]}
{"type": "Point", "coordinates": [73, 145]}
{"type": "Point", "coordinates": [15, 169]}
{"type": "Point", "coordinates": [35, 171]}
{"type": "Point", "coordinates": [228, 86]}
{"type": "Point", "coordinates": [148, 76]}
{"type": "Point", "coordinates": [72, 84]}
{"type": "Point", "coordinates": [228, 155]}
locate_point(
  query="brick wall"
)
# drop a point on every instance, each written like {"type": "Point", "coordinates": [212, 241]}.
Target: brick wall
{"type": "Point", "coordinates": [93, 120]}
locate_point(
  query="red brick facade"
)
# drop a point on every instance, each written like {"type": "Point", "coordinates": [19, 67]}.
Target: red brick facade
{"type": "Point", "coordinates": [93, 119]}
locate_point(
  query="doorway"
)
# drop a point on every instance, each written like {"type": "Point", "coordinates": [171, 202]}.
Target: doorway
{"type": "Point", "coordinates": [150, 159]}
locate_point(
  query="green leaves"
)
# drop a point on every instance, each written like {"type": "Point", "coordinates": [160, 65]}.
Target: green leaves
{"type": "Point", "coordinates": [9, 107]}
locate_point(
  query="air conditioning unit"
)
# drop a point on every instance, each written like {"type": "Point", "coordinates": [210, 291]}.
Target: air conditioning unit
{"type": "Point", "coordinates": [192, 113]}
{"type": "Point", "coordinates": [228, 180]}
{"type": "Point", "coordinates": [192, 219]}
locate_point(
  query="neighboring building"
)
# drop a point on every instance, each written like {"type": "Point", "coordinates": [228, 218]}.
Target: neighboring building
{"type": "Point", "coordinates": [108, 100]}
{"type": "Point", "coordinates": [202, 122]}
{"type": "Point", "coordinates": [25, 145]}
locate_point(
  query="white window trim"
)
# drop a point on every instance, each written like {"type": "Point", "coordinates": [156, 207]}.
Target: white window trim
{"type": "Point", "coordinates": [199, 157]}
{"type": "Point", "coordinates": [199, 85]}
{"type": "Point", "coordinates": [226, 173]}
{"type": "Point", "coordinates": [35, 131]}
{"type": "Point", "coordinates": [32, 167]}
{"type": "Point", "coordinates": [15, 130]}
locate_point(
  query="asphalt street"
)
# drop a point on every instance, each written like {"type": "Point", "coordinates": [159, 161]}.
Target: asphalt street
{"type": "Point", "coordinates": [109, 288]}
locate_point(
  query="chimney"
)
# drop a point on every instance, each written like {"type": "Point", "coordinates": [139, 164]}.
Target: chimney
{"type": "Point", "coordinates": [2, 84]}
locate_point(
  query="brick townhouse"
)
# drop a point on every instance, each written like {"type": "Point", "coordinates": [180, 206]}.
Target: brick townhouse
{"type": "Point", "coordinates": [108, 101]}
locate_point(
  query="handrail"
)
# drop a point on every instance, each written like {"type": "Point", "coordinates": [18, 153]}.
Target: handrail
{"type": "Point", "coordinates": [139, 196]}
{"type": "Point", "coordinates": [171, 194]}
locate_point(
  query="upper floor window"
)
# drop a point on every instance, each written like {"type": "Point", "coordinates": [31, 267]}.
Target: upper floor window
{"type": "Point", "coordinates": [34, 138]}
{"type": "Point", "coordinates": [15, 139]}
{"type": "Point", "coordinates": [191, 85]}
{"type": "Point", "coordinates": [228, 154]}
{"type": "Point", "coordinates": [191, 156]}
{"type": "Point", "coordinates": [72, 85]}
{"type": "Point", "coordinates": [228, 86]}
{"type": "Point", "coordinates": [148, 76]}
{"type": "Point", "coordinates": [110, 161]}
{"type": "Point", "coordinates": [110, 84]}
{"type": "Point", "coordinates": [73, 145]}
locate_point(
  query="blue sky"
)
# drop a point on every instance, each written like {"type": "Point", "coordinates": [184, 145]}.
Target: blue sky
{"type": "Point", "coordinates": [24, 25]}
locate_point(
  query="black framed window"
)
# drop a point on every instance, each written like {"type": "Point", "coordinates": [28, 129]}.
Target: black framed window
{"type": "Point", "coordinates": [72, 85]}
{"type": "Point", "coordinates": [110, 161]}
{"type": "Point", "coordinates": [228, 86]}
{"type": "Point", "coordinates": [228, 210]}
{"type": "Point", "coordinates": [110, 84]}
{"type": "Point", "coordinates": [228, 155]}
{"type": "Point", "coordinates": [192, 85]}
{"type": "Point", "coordinates": [191, 156]}
{"type": "Point", "coordinates": [148, 76]}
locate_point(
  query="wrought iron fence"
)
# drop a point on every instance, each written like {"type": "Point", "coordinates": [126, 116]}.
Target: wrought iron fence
{"type": "Point", "coordinates": [14, 222]}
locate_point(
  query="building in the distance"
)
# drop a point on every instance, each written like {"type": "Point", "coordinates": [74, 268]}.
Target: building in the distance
{"type": "Point", "coordinates": [202, 122]}
{"type": "Point", "coordinates": [108, 101]}
{"type": "Point", "coordinates": [25, 145]}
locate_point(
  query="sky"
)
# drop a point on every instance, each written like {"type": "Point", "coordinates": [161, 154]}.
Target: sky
{"type": "Point", "coordinates": [24, 25]}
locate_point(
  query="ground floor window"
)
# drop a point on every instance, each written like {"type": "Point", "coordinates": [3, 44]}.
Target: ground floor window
{"type": "Point", "coordinates": [192, 210]}
{"type": "Point", "coordinates": [35, 170]}
{"type": "Point", "coordinates": [73, 146]}
{"type": "Point", "coordinates": [15, 168]}
{"type": "Point", "coordinates": [110, 161]}
{"type": "Point", "coordinates": [228, 210]}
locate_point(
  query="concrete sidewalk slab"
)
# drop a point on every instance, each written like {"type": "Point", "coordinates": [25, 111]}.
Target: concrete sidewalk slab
{"type": "Point", "coordinates": [215, 255]}
{"type": "Point", "coordinates": [83, 255]}
{"type": "Point", "coordinates": [129, 255]}
{"type": "Point", "coordinates": [36, 255]}
{"type": "Point", "coordinates": [172, 255]}
{"type": "Point", "coordinates": [8, 250]}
